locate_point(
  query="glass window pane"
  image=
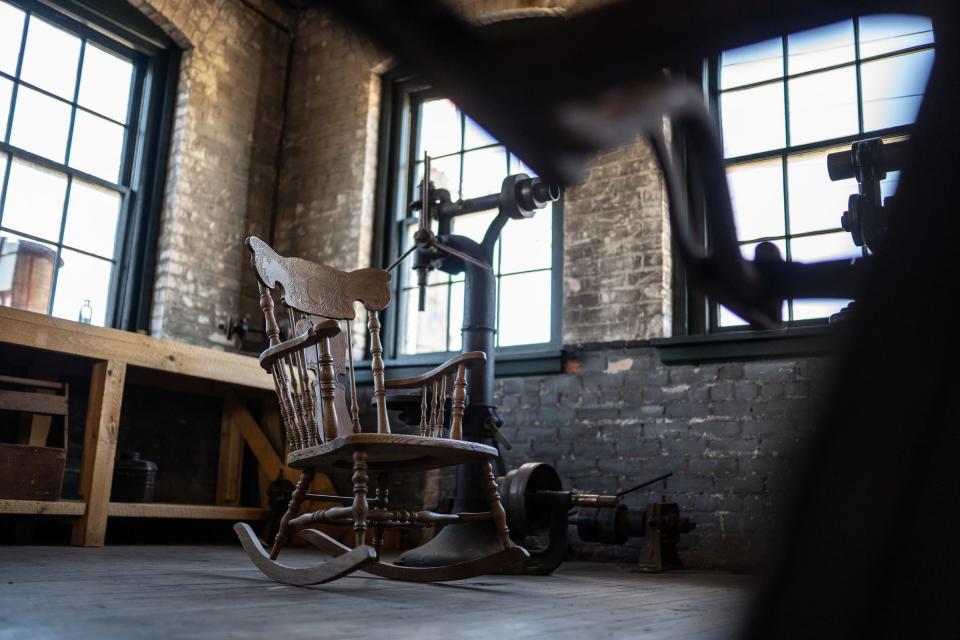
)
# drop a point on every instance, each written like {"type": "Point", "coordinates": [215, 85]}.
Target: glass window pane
{"type": "Point", "coordinates": [893, 89]}
{"type": "Point", "coordinates": [752, 120]}
{"type": "Point", "coordinates": [82, 278]}
{"type": "Point", "coordinates": [425, 331]}
{"type": "Point", "coordinates": [50, 58]}
{"type": "Point", "coordinates": [445, 174]}
{"type": "Point", "coordinates": [823, 106]}
{"type": "Point", "coordinates": [756, 192]}
{"type": "Point", "coordinates": [105, 83]}
{"type": "Point", "coordinates": [821, 47]}
{"type": "Point", "coordinates": [475, 136]}
{"type": "Point", "coordinates": [92, 215]}
{"type": "Point", "coordinates": [830, 246]}
{"type": "Point", "coordinates": [753, 63]}
{"type": "Point", "coordinates": [439, 128]}
{"type": "Point", "coordinates": [34, 203]}
{"type": "Point", "coordinates": [816, 203]}
{"type": "Point", "coordinates": [727, 318]}
{"type": "Point", "coordinates": [519, 166]}
{"type": "Point", "coordinates": [11, 30]}
{"type": "Point", "coordinates": [524, 309]}
{"type": "Point", "coordinates": [817, 308]}
{"type": "Point", "coordinates": [26, 273]}
{"type": "Point", "coordinates": [888, 186]}
{"type": "Point", "coordinates": [888, 33]}
{"type": "Point", "coordinates": [749, 249]}
{"type": "Point", "coordinates": [456, 316]}
{"type": "Point", "coordinates": [97, 146]}
{"type": "Point", "coordinates": [473, 225]}
{"type": "Point", "coordinates": [6, 92]}
{"type": "Point", "coordinates": [528, 244]}
{"type": "Point", "coordinates": [484, 171]}
{"type": "Point", "coordinates": [41, 124]}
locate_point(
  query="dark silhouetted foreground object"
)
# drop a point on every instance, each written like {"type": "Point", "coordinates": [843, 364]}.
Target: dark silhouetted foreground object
{"type": "Point", "coordinates": [324, 435]}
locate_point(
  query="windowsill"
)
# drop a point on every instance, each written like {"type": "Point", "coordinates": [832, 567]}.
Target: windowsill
{"type": "Point", "coordinates": [515, 363]}
{"type": "Point", "coordinates": [747, 345]}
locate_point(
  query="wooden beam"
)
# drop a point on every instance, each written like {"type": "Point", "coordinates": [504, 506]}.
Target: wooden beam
{"type": "Point", "coordinates": [43, 507]}
{"type": "Point", "coordinates": [39, 331]}
{"type": "Point", "coordinates": [30, 382]}
{"type": "Point", "coordinates": [33, 402]}
{"type": "Point", "coordinates": [188, 511]}
{"type": "Point", "coordinates": [259, 444]}
{"type": "Point", "coordinates": [230, 466]}
{"type": "Point", "coordinates": [99, 450]}
{"type": "Point", "coordinates": [39, 430]}
{"type": "Point", "coordinates": [134, 510]}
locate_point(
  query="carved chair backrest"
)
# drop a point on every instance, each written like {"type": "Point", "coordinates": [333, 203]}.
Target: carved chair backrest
{"type": "Point", "coordinates": [314, 408]}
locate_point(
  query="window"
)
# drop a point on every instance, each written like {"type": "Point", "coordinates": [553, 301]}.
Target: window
{"type": "Point", "coordinates": [785, 104]}
{"type": "Point", "coordinates": [70, 127]}
{"type": "Point", "coordinates": [468, 162]}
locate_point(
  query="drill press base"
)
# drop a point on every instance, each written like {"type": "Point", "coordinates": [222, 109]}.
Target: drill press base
{"type": "Point", "coordinates": [454, 544]}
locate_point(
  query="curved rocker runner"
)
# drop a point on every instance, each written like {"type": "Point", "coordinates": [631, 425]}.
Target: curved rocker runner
{"type": "Point", "coordinates": [493, 563]}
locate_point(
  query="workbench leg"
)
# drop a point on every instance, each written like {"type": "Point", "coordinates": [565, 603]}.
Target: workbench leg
{"type": "Point", "coordinates": [230, 465]}
{"type": "Point", "coordinates": [99, 450]}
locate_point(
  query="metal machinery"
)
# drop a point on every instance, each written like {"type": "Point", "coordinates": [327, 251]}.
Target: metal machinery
{"type": "Point", "coordinates": [540, 513]}
{"type": "Point", "coordinates": [868, 213]}
{"type": "Point", "coordinates": [520, 197]}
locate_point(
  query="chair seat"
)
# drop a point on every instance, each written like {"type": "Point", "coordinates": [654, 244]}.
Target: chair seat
{"type": "Point", "coordinates": [390, 452]}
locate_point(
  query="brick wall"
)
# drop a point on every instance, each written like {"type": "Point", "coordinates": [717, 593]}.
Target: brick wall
{"type": "Point", "coordinates": [728, 431]}
{"type": "Point", "coordinates": [223, 159]}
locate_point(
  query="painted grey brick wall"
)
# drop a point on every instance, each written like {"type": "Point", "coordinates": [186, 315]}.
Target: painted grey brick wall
{"type": "Point", "coordinates": [728, 431]}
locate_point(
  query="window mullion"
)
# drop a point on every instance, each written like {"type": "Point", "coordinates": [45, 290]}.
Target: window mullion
{"type": "Point", "coordinates": [56, 270]}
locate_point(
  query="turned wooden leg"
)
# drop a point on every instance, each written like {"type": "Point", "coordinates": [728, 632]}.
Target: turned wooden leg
{"type": "Point", "coordinates": [359, 496]}
{"type": "Point", "coordinates": [296, 500]}
{"type": "Point", "coordinates": [383, 502]}
{"type": "Point", "coordinates": [497, 514]}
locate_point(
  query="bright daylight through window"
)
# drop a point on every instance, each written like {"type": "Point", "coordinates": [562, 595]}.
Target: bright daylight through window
{"type": "Point", "coordinates": [469, 163]}
{"type": "Point", "coordinates": [65, 129]}
{"type": "Point", "coordinates": [788, 102]}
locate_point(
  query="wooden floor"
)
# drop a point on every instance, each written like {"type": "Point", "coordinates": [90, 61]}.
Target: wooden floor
{"type": "Point", "coordinates": [214, 592]}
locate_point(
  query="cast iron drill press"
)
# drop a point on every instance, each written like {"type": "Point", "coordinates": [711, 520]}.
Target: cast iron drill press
{"type": "Point", "coordinates": [519, 198]}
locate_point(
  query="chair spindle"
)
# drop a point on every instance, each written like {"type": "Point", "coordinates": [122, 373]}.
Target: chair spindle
{"type": "Point", "coordinates": [331, 426]}
{"type": "Point", "coordinates": [354, 408]}
{"type": "Point", "coordinates": [459, 400]}
{"type": "Point", "coordinates": [376, 364]}
{"type": "Point", "coordinates": [424, 411]}
{"type": "Point", "coordinates": [443, 404]}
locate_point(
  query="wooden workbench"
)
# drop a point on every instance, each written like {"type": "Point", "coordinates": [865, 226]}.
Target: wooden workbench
{"type": "Point", "coordinates": [114, 357]}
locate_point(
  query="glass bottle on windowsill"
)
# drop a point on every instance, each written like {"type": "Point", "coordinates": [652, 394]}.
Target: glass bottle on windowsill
{"type": "Point", "coordinates": [86, 313]}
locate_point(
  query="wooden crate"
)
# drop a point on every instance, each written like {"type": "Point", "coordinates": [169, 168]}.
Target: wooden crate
{"type": "Point", "coordinates": [30, 470]}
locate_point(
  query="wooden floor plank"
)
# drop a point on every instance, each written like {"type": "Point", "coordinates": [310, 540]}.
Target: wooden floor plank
{"type": "Point", "coordinates": [214, 592]}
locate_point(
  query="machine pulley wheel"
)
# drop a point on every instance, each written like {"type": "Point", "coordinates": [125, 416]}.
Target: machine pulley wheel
{"type": "Point", "coordinates": [525, 515]}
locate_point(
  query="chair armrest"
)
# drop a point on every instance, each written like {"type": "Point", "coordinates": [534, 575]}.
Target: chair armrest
{"type": "Point", "coordinates": [314, 335]}
{"type": "Point", "coordinates": [469, 360]}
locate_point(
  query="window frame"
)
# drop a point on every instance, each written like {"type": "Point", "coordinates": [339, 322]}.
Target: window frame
{"type": "Point", "coordinates": [143, 164]}
{"type": "Point", "coordinates": [400, 94]}
{"type": "Point", "coordinates": [698, 316]}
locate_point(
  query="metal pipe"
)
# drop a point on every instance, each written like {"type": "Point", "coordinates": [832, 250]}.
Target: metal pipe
{"type": "Point", "coordinates": [471, 205]}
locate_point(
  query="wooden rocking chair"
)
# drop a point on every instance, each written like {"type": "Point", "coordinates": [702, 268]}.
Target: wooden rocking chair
{"type": "Point", "coordinates": [323, 435]}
